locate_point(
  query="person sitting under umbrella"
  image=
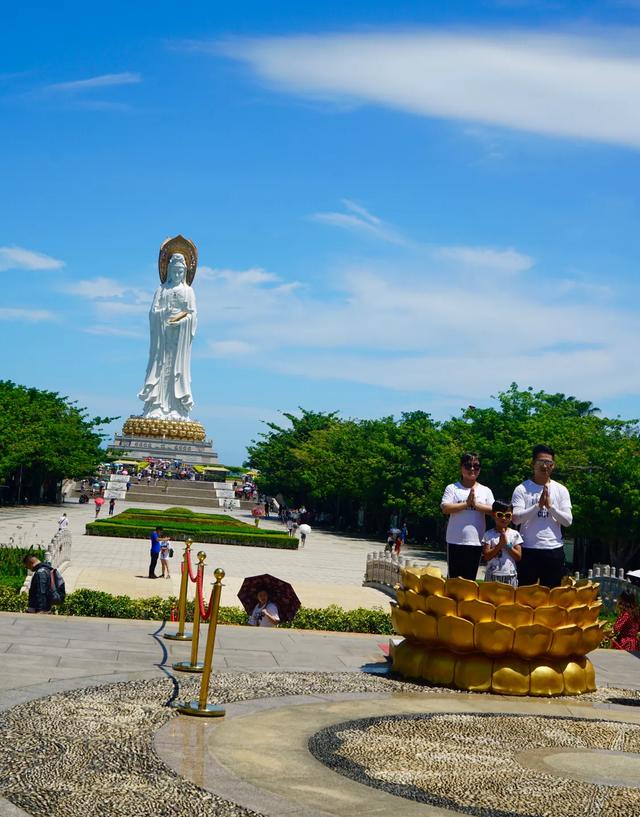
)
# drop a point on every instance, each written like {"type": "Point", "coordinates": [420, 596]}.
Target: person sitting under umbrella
{"type": "Point", "coordinates": [265, 613]}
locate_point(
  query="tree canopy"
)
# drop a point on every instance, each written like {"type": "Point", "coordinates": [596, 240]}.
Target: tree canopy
{"type": "Point", "coordinates": [399, 466]}
{"type": "Point", "coordinates": [43, 438]}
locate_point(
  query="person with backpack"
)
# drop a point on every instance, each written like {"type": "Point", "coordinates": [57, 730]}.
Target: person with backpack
{"type": "Point", "coordinates": [47, 585]}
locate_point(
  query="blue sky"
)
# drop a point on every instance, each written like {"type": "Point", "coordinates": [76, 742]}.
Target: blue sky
{"type": "Point", "coordinates": [397, 206]}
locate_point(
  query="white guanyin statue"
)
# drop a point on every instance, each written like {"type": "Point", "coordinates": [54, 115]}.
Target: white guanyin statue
{"type": "Point", "coordinates": [166, 393]}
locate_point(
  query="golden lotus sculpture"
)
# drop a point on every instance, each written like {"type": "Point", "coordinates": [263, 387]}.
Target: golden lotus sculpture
{"type": "Point", "coordinates": [491, 637]}
{"type": "Point", "coordinates": [171, 429]}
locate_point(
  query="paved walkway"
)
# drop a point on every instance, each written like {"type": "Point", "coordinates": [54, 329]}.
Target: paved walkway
{"type": "Point", "coordinates": [55, 652]}
{"type": "Point", "coordinates": [43, 655]}
{"type": "Point", "coordinates": [328, 570]}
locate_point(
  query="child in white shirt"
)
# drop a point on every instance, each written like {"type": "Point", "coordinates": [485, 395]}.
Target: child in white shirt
{"type": "Point", "coordinates": [165, 552]}
{"type": "Point", "coordinates": [502, 546]}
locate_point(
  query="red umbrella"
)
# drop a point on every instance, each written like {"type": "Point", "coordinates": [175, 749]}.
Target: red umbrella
{"type": "Point", "coordinates": [281, 593]}
{"type": "Point", "coordinates": [257, 511]}
{"type": "Point", "coordinates": [99, 500]}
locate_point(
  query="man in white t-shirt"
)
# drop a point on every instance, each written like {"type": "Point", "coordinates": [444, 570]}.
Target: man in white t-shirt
{"type": "Point", "coordinates": [466, 503]}
{"type": "Point", "coordinates": [542, 507]}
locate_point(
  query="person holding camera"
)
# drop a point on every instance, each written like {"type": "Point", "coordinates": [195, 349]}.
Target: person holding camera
{"type": "Point", "coordinates": [265, 613]}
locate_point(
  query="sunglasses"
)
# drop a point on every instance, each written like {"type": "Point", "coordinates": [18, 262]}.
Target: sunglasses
{"type": "Point", "coordinates": [503, 515]}
{"type": "Point", "coordinates": [474, 467]}
{"type": "Point", "coordinates": [545, 463]}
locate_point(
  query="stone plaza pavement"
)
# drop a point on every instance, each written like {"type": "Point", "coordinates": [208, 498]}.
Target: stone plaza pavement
{"type": "Point", "coordinates": [328, 570]}
{"type": "Point", "coordinates": [257, 755]}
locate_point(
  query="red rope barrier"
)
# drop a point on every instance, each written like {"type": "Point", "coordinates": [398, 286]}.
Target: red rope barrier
{"type": "Point", "coordinates": [193, 576]}
{"type": "Point", "coordinates": [204, 612]}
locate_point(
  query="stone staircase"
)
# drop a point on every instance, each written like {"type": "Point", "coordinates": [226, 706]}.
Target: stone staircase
{"type": "Point", "coordinates": [183, 493]}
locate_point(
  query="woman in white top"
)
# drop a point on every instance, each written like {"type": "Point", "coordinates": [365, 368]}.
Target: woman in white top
{"type": "Point", "coordinates": [265, 613]}
{"type": "Point", "coordinates": [466, 503]}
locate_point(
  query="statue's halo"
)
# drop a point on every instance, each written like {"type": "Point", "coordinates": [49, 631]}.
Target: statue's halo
{"type": "Point", "coordinates": [178, 244]}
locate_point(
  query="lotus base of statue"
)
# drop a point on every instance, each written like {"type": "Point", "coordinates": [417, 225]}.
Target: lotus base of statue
{"type": "Point", "coordinates": [169, 429]}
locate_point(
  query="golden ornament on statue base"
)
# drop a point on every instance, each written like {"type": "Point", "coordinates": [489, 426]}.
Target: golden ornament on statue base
{"type": "Point", "coordinates": [169, 429]}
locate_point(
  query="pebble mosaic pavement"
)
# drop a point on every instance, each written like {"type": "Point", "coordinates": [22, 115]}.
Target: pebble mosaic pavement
{"type": "Point", "coordinates": [90, 751]}
{"type": "Point", "coordinates": [471, 763]}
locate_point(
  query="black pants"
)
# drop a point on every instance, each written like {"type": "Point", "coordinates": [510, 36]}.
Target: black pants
{"type": "Point", "coordinates": [545, 566]}
{"type": "Point", "coordinates": [152, 565]}
{"type": "Point", "coordinates": [463, 561]}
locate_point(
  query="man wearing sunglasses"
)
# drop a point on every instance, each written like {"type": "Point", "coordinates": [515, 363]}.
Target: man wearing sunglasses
{"type": "Point", "coordinates": [542, 507]}
{"type": "Point", "coordinates": [466, 503]}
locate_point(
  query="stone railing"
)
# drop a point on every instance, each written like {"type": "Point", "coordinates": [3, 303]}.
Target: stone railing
{"type": "Point", "coordinates": [58, 551]}
{"type": "Point", "coordinates": [612, 585]}
{"type": "Point", "coordinates": [383, 570]}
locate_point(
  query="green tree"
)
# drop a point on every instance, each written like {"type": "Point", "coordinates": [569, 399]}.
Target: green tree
{"type": "Point", "coordinates": [44, 437]}
{"type": "Point", "coordinates": [274, 453]}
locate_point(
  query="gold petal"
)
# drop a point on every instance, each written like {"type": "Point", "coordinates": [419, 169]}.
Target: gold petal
{"type": "Point", "coordinates": [515, 615]}
{"type": "Point", "coordinates": [439, 667]}
{"type": "Point", "coordinates": [411, 578]}
{"type": "Point", "coordinates": [413, 600]}
{"type": "Point", "coordinates": [441, 606]}
{"type": "Point", "coordinates": [401, 621]}
{"type": "Point", "coordinates": [473, 672]}
{"type": "Point", "coordinates": [591, 638]}
{"type": "Point", "coordinates": [594, 612]}
{"type": "Point", "coordinates": [476, 610]}
{"type": "Point", "coordinates": [590, 676]}
{"type": "Point", "coordinates": [424, 626]}
{"type": "Point", "coordinates": [455, 633]}
{"type": "Point", "coordinates": [546, 679]}
{"type": "Point", "coordinates": [532, 641]}
{"type": "Point", "coordinates": [552, 617]}
{"type": "Point", "coordinates": [566, 641]}
{"type": "Point", "coordinates": [579, 615]}
{"type": "Point", "coordinates": [533, 595]}
{"type": "Point", "coordinates": [493, 638]}
{"type": "Point", "coordinates": [510, 676]}
{"type": "Point", "coordinates": [432, 585]}
{"type": "Point", "coordinates": [496, 593]}
{"type": "Point", "coordinates": [575, 678]}
{"type": "Point", "coordinates": [408, 660]}
{"type": "Point", "coordinates": [461, 589]}
{"type": "Point", "coordinates": [563, 596]}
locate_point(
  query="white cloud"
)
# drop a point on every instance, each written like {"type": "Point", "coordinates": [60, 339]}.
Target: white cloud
{"type": "Point", "coordinates": [498, 260]}
{"type": "Point", "coordinates": [29, 315]}
{"type": "Point", "coordinates": [19, 258]}
{"type": "Point", "coordinates": [230, 348]}
{"type": "Point", "coordinates": [254, 275]}
{"type": "Point", "coordinates": [117, 309]}
{"type": "Point", "coordinates": [96, 288]}
{"type": "Point", "coordinates": [113, 331]}
{"type": "Point", "coordinates": [360, 220]}
{"type": "Point", "coordinates": [417, 329]}
{"type": "Point", "coordinates": [555, 84]}
{"type": "Point", "coordinates": [102, 81]}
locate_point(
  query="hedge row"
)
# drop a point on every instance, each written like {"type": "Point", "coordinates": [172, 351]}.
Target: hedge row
{"type": "Point", "coordinates": [181, 514]}
{"type": "Point", "coordinates": [252, 539]}
{"type": "Point", "coordinates": [192, 526]}
{"type": "Point", "coordinates": [12, 570]}
{"type": "Point", "coordinates": [95, 603]}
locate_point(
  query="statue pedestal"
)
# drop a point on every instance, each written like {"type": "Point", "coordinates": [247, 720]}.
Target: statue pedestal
{"type": "Point", "coordinates": [166, 440]}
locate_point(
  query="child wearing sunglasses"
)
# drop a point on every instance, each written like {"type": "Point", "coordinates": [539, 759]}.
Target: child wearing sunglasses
{"type": "Point", "coordinates": [502, 546]}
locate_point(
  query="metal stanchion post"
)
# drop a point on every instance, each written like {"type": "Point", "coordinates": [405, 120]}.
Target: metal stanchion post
{"type": "Point", "coordinates": [201, 707]}
{"type": "Point", "coordinates": [182, 602]}
{"type": "Point", "coordinates": [194, 665]}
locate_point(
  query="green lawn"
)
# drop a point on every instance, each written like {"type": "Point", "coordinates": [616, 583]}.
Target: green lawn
{"type": "Point", "coordinates": [181, 524]}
